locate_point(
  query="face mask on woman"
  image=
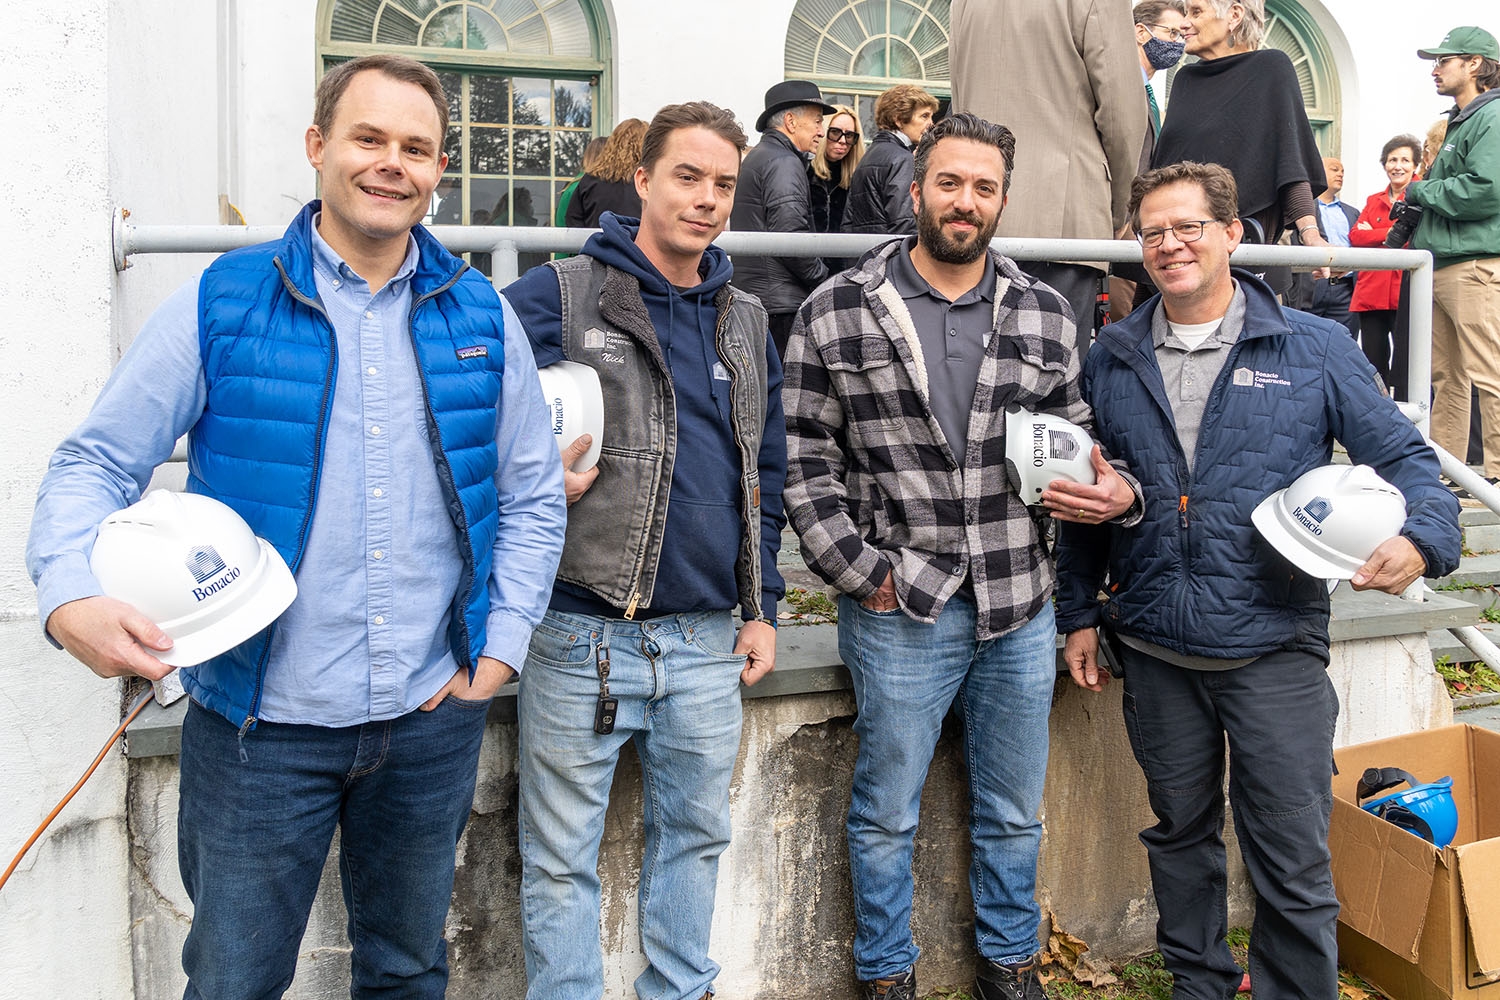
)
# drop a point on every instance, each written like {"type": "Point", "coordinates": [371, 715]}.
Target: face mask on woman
{"type": "Point", "coordinates": [1163, 55]}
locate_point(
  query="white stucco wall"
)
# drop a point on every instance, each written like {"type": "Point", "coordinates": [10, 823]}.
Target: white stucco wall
{"type": "Point", "coordinates": [64, 915]}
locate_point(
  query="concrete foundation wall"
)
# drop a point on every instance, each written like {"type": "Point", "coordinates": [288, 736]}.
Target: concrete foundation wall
{"type": "Point", "coordinates": [784, 918]}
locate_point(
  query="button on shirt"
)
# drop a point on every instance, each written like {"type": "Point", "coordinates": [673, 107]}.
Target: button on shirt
{"type": "Point", "coordinates": [953, 337]}
{"type": "Point", "coordinates": [387, 578]}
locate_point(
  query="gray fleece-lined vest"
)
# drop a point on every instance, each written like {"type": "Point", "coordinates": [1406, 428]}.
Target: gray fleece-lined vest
{"type": "Point", "coordinates": [615, 530]}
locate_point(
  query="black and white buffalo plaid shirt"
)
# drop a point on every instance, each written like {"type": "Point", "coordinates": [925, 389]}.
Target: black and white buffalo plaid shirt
{"type": "Point", "coordinates": [872, 484]}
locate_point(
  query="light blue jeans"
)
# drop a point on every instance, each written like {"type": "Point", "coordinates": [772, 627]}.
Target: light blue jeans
{"type": "Point", "coordinates": [906, 676]}
{"type": "Point", "coordinates": [677, 682]}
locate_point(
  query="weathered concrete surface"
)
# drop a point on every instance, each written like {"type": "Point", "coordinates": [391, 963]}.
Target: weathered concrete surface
{"type": "Point", "coordinates": [784, 919]}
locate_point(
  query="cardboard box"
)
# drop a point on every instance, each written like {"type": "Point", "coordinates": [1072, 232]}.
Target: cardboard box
{"type": "Point", "coordinates": [1417, 922]}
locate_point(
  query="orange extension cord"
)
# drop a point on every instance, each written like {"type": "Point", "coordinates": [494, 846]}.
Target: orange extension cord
{"type": "Point", "coordinates": [74, 790]}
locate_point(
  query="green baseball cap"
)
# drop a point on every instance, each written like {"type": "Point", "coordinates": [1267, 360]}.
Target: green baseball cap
{"type": "Point", "coordinates": [1465, 41]}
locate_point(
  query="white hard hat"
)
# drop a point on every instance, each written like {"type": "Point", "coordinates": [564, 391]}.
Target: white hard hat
{"type": "Point", "coordinates": [576, 405]}
{"type": "Point", "coordinates": [191, 565]}
{"type": "Point", "coordinates": [1040, 447]}
{"type": "Point", "coordinates": [1331, 519]}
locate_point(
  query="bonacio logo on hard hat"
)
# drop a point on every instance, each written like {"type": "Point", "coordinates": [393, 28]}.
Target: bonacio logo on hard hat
{"type": "Point", "coordinates": [1312, 514]}
{"type": "Point", "coordinates": [204, 563]}
{"type": "Point", "coordinates": [1047, 443]}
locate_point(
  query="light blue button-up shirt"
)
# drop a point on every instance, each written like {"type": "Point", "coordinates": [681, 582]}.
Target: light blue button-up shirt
{"type": "Point", "coordinates": [367, 637]}
{"type": "Point", "coordinates": [1335, 222]}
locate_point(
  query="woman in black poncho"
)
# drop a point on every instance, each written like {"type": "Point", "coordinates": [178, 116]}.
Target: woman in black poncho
{"type": "Point", "coordinates": [1241, 107]}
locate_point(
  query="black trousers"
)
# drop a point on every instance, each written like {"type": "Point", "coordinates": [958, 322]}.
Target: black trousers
{"type": "Point", "coordinates": [781, 329]}
{"type": "Point", "coordinates": [1078, 284]}
{"type": "Point", "coordinates": [1277, 714]}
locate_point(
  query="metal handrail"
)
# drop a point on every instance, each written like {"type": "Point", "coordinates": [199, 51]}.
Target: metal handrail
{"type": "Point", "coordinates": [505, 244]}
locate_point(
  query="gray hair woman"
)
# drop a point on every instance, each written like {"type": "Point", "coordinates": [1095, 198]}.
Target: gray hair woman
{"type": "Point", "coordinates": [1241, 106]}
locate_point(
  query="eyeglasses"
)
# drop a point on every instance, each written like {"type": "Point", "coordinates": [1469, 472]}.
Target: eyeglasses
{"type": "Point", "coordinates": [1186, 232]}
{"type": "Point", "coordinates": [1173, 35]}
{"type": "Point", "coordinates": [1442, 59]}
{"type": "Point", "coordinates": [842, 135]}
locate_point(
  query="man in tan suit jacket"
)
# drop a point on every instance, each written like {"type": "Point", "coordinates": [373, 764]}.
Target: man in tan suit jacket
{"type": "Point", "coordinates": [1064, 77]}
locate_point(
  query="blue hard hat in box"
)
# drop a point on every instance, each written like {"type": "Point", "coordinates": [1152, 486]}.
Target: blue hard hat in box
{"type": "Point", "coordinates": [1423, 808]}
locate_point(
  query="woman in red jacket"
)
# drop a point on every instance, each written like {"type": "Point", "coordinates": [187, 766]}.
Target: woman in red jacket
{"type": "Point", "coordinates": [1377, 294]}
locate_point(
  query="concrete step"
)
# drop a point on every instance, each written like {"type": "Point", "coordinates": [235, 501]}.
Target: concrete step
{"type": "Point", "coordinates": [1444, 643]}
{"type": "Point", "coordinates": [1478, 570]}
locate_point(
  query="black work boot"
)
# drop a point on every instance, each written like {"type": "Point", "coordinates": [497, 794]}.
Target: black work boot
{"type": "Point", "coordinates": [993, 981]}
{"type": "Point", "coordinates": [899, 987]}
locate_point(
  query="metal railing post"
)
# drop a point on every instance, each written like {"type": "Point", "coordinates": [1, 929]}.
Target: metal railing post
{"type": "Point", "coordinates": [505, 263]}
{"type": "Point", "coordinates": [1419, 336]}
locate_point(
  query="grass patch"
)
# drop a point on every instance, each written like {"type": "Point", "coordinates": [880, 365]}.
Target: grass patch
{"type": "Point", "coordinates": [811, 607]}
{"type": "Point", "coordinates": [1143, 978]}
{"type": "Point", "coordinates": [1464, 679]}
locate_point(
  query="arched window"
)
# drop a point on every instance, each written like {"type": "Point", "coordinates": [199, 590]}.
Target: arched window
{"type": "Point", "coordinates": [525, 82]}
{"type": "Point", "coordinates": [854, 49]}
{"type": "Point", "coordinates": [1292, 30]}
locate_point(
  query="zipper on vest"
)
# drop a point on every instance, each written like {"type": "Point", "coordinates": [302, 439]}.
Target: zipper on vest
{"type": "Point", "coordinates": [465, 654]}
{"type": "Point", "coordinates": [317, 474]}
{"type": "Point", "coordinates": [635, 599]}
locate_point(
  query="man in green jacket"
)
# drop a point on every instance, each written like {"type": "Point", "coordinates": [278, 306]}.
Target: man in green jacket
{"type": "Point", "coordinates": [1460, 225]}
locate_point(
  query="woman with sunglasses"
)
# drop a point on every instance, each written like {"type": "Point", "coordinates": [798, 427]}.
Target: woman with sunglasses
{"type": "Point", "coordinates": [833, 161]}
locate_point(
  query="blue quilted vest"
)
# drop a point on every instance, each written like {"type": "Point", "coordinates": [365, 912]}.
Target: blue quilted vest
{"type": "Point", "coordinates": [269, 363]}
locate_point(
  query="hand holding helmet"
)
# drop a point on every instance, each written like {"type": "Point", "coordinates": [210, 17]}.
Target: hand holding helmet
{"type": "Point", "coordinates": [1342, 522]}
{"type": "Point", "coordinates": [110, 637]}
{"type": "Point", "coordinates": [184, 580]}
{"type": "Point", "coordinates": [1053, 462]}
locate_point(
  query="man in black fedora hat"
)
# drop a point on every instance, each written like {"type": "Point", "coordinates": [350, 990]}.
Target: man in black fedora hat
{"type": "Point", "coordinates": [773, 197]}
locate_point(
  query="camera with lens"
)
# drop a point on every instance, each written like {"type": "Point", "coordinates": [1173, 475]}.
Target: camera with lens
{"type": "Point", "coordinates": [1405, 215]}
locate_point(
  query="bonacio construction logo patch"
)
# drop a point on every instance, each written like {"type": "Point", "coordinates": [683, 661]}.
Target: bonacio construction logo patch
{"type": "Point", "coordinates": [1251, 377]}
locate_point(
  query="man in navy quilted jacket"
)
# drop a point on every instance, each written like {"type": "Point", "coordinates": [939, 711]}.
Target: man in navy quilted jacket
{"type": "Point", "coordinates": [370, 406]}
{"type": "Point", "coordinates": [1217, 397]}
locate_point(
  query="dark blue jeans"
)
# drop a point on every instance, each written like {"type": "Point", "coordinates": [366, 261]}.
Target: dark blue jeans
{"type": "Point", "coordinates": [1278, 713]}
{"type": "Point", "coordinates": [253, 835]}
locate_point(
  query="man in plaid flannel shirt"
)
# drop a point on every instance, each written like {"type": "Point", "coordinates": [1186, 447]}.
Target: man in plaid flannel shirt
{"type": "Point", "coordinates": [898, 374]}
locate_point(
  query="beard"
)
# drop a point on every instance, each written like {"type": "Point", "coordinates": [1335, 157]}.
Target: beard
{"type": "Point", "coordinates": [948, 249]}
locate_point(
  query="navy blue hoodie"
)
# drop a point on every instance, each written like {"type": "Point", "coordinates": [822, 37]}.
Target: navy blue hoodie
{"type": "Point", "coordinates": [701, 540]}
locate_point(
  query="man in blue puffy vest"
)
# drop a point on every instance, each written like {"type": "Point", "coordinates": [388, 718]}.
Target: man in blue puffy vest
{"type": "Point", "coordinates": [678, 525]}
{"type": "Point", "coordinates": [1217, 397]}
{"type": "Point", "coordinates": [370, 406]}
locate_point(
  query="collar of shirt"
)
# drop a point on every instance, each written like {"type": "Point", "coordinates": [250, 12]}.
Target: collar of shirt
{"type": "Point", "coordinates": [910, 283]}
{"type": "Point", "coordinates": [1335, 222]}
{"type": "Point", "coordinates": [1227, 333]}
{"type": "Point", "coordinates": [338, 273]}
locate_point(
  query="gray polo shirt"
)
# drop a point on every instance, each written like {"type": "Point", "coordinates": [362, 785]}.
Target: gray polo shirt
{"type": "Point", "coordinates": [1188, 374]}
{"type": "Point", "coordinates": [953, 336]}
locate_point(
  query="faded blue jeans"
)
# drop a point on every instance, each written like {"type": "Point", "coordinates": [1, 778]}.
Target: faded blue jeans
{"type": "Point", "coordinates": [677, 681]}
{"type": "Point", "coordinates": [906, 676]}
{"type": "Point", "coordinates": [253, 834]}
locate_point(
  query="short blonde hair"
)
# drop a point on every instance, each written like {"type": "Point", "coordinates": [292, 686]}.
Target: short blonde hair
{"type": "Point", "coordinates": [820, 164]}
